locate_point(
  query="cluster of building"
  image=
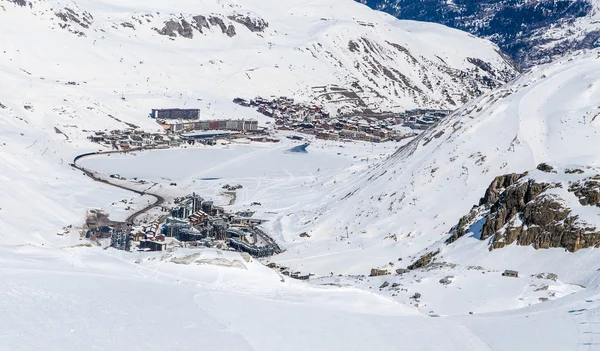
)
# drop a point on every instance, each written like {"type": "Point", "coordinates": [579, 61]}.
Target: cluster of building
{"type": "Point", "coordinates": [188, 120]}
{"type": "Point", "coordinates": [147, 238]}
{"type": "Point", "coordinates": [131, 138]}
{"type": "Point", "coordinates": [421, 119]}
{"type": "Point", "coordinates": [312, 119]}
{"type": "Point", "coordinates": [196, 220]}
{"type": "Point", "coordinates": [235, 125]}
{"type": "Point", "coordinates": [284, 109]}
{"type": "Point", "coordinates": [363, 128]}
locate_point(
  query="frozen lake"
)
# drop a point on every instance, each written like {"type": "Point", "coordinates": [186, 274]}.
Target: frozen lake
{"type": "Point", "coordinates": [227, 162]}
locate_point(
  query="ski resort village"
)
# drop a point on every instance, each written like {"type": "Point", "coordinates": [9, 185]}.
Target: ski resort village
{"type": "Point", "coordinates": [190, 221]}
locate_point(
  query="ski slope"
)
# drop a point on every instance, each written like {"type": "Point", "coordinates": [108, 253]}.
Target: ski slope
{"type": "Point", "coordinates": [410, 201]}
{"type": "Point", "coordinates": [94, 299]}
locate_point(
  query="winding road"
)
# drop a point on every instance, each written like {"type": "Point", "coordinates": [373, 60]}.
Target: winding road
{"type": "Point", "coordinates": [129, 221]}
{"type": "Point", "coordinates": [159, 199]}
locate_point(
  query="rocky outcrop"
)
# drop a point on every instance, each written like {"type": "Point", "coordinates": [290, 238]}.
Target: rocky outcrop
{"type": "Point", "coordinates": [544, 167]}
{"type": "Point", "coordinates": [200, 22]}
{"type": "Point", "coordinates": [74, 21]}
{"type": "Point", "coordinates": [253, 24]}
{"type": "Point", "coordinates": [21, 3]}
{"type": "Point", "coordinates": [423, 260]}
{"type": "Point", "coordinates": [491, 197]}
{"type": "Point", "coordinates": [511, 203]}
{"type": "Point", "coordinates": [587, 191]}
{"type": "Point", "coordinates": [521, 209]}
{"type": "Point", "coordinates": [216, 21]}
{"type": "Point", "coordinates": [183, 28]}
{"type": "Point", "coordinates": [173, 27]}
{"type": "Point", "coordinates": [378, 272]}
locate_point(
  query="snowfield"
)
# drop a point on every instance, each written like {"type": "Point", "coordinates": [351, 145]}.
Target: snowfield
{"type": "Point", "coordinates": [411, 200]}
{"type": "Point", "coordinates": [94, 299]}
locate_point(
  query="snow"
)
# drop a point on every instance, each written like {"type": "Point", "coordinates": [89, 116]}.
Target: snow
{"type": "Point", "coordinates": [364, 205]}
{"type": "Point", "coordinates": [411, 200]}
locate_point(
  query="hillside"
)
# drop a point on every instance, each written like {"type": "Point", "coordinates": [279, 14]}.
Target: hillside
{"type": "Point", "coordinates": [350, 58]}
{"type": "Point", "coordinates": [377, 224]}
{"type": "Point", "coordinates": [531, 32]}
{"type": "Point", "coordinates": [70, 68]}
{"type": "Point", "coordinates": [411, 201]}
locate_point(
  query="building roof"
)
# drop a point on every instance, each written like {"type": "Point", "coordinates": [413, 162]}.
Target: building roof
{"type": "Point", "coordinates": [206, 134]}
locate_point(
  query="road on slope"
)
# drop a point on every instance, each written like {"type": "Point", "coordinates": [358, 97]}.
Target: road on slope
{"type": "Point", "coordinates": [129, 221]}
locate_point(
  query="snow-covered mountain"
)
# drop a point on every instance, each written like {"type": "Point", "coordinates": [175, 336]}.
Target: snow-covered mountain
{"type": "Point", "coordinates": [532, 32]}
{"type": "Point", "coordinates": [412, 200]}
{"type": "Point", "coordinates": [69, 68]}
{"type": "Point", "coordinates": [338, 53]}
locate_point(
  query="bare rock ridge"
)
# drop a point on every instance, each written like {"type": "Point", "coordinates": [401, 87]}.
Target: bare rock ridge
{"type": "Point", "coordinates": [253, 24]}
{"type": "Point", "coordinates": [185, 29]}
{"type": "Point", "coordinates": [544, 208]}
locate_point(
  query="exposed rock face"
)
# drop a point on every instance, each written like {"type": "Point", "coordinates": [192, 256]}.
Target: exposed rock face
{"type": "Point", "coordinates": [499, 184]}
{"type": "Point", "coordinates": [73, 21]}
{"type": "Point", "coordinates": [492, 194]}
{"type": "Point", "coordinates": [173, 27]}
{"type": "Point", "coordinates": [183, 28]}
{"type": "Point", "coordinates": [587, 191]}
{"type": "Point", "coordinates": [544, 167]}
{"type": "Point", "coordinates": [216, 21]}
{"type": "Point", "coordinates": [230, 31]}
{"type": "Point", "coordinates": [253, 24]}
{"type": "Point", "coordinates": [447, 280]}
{"type": "Point", "coordinates": [511, 202]}
{"type": "Point", "coordinates": [21, 3]}
{"type": "Point", "coordinates": [520, 209]}
{"type": "Point", "coordinates": [200, 22]}
{"type": "Point", "coordinates": [378, 272]}
{"type": "Point", "coordinates": [423, 260]}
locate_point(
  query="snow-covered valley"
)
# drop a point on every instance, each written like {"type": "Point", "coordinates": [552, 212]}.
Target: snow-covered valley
{"type": "Point", "coordinates": [361, 217]}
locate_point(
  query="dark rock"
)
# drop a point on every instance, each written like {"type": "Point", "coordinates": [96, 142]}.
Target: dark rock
{"type": "Point", "coordinates": [200, 22]}
{"type": "Point", "coordinates": [253, 24]}
{"type": "Point", "coordinates": [511, 202]}
{"type": "Point", "coordinates": [173, 27]}
{"type": "Point", "coordinates": [384, 285]}
{"type": "Point", "coordinates": [186, 29]}
{"type": "Point", "coordinates": [402, 270]}
{"type": "Point", "coordinates": [216, 21]}
{"type": "Point", "coordinates": [446, 280]}
{"type": "Point", "coordinates": [378, 272]}
{"type": "Point", "coordinates": [574, 171]}
{"type": "Point", "coordinates": [587, 191]}
{"type": "Point", "coordinates": [498, 185]}
{"type": "Point", "coordinates": [544, 167]}
{"type": "Point", "coordinates": [68, 15]}
{"type": "Point", "coordinates": [416, 296]}
{"type": "Point", "coordinates": [524, 213]}
{"type": "Point", "coordinates": [21, 3]}
{"type": "Point", "coordinates": [423, 260]}
{"type": "Point", "coordinates": [230, 31]}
